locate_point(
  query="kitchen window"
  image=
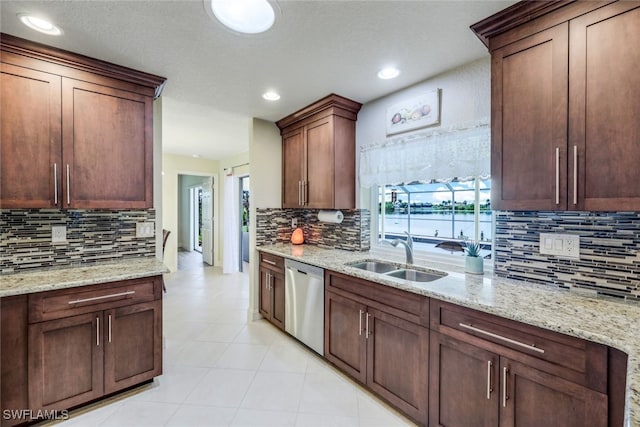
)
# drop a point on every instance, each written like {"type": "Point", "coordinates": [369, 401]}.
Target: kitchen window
{"type": "Point", "coordinates": [441, 216]}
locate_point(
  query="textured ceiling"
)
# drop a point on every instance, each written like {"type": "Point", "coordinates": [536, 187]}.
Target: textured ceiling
{"type": "Point", "coordinates": [216, 77]}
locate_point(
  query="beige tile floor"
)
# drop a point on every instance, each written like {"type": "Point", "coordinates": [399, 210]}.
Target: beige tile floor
{"type": "Point", "coordinates": [220, 370]}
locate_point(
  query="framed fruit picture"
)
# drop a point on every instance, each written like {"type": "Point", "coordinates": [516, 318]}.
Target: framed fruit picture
{"type": "Point", "coordinates": [415, 113]}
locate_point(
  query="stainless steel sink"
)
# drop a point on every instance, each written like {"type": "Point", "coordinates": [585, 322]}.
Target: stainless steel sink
{"type": "Point", "coordinates": [375, 266]}
{"type": "Point", "coordinates": [416, 275]}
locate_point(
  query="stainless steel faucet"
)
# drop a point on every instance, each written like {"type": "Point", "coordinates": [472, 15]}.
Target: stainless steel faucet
{"type": "Point", "coordinates": [408, 246]}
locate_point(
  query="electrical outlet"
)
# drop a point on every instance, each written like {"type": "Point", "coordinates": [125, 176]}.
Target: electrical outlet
{"type": "Point", "coordinates": [58, 233]}
{"type": "Point", "coordinates": [294, 222]}
{"type": "Point", "coordinates": [561, 245]}
{"type": "Point", "coordinates": [145, 229]}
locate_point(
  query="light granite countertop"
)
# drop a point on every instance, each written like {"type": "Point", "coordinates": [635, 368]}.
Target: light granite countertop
{"type": "Point", "coordinates": [602, 320]}
{"type": "Point", "coordinates": [52, 279]}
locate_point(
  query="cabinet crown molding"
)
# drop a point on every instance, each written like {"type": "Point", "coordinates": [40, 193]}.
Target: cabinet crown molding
{"type": "Point", "coordinates": [513, 16]}
{"type": "Point", "coordinates": [330, 101]}
{"type": "Point", "coordinates": [27, 48]}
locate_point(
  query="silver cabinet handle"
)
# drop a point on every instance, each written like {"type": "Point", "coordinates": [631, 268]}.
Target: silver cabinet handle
{"type": "Point", "coordinates": [575, 174]}
{"type": "Point", "coordinates": [268, 261]}
{"type": "Point", "coordinates": [366, 334]}
{"type": "Point", "coordinates": [266, 280]}
{"type": "Point", "coordinates": [305, 193]}
{"type": "Point", "coordinates": [109, 328]}
{"type": "Point", "coordinates": [97, 332]}
{"type": "Point", "coordinates": [68, 184]}
{"type": "Point", "coordinates": [500, 337]}
{"type": "Point", "coordinates": [120, 294]}
{"type": "Point", "coordinates": [489, 388]}
{"type": "Point", "coordinates": [360, 323]}
{"type": "Point", "coordinates": [505, 372]}
{"type": "Point", "coordinates": [557, 175]}
{"type": "Point", "coordinates": [299, 193]}
{"type": "Point", "coordinates": [55, 184]}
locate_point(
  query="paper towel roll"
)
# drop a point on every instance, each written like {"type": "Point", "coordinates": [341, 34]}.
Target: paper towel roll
{"type": "Point", "coordinates": [330, 216]}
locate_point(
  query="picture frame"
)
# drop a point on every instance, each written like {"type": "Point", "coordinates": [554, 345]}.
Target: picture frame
{"type": "Point", "coordinates": [414, 113]}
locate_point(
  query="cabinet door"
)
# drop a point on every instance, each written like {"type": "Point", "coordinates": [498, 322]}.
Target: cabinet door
{"type": "Point", "coordinates": [31, 138]}
{"type": "Point", "coordinates": [277, 295]}
{"type": "Point", "coordinates": [265, 293]}
{"type": "Point", "coordinates": [397, 362]}
{"type": "Point", "coordinates": [320, 162]}
{"type": "Point", "coordinates": [66, 361]}
{"type": "Point", "coordinates": [463, 384]}
{"type": "Point", "coordinates": [533, 398]}
{"type": "Point", "coordinates": [529, 122]}
{"type": "Point", "coordinates": [133, 345]}
{"type": "Point", "coordinates": [292, 168]}
{"type": "Point", "coordinates": [345, 342]}
{"type": "Point", "coordinates": [107, 147]}
{"type": "Point", "coordinates": [14, 381]}
{"type": "Point", "coordinates": [604, 109]}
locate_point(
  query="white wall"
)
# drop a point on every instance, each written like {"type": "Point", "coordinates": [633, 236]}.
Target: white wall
{"type": "Point", "coordinates": [465, 97]}
{"type": "Point", "coordinates": [172, 166]}
{"type": "Point", "coordinates": [265, 148]}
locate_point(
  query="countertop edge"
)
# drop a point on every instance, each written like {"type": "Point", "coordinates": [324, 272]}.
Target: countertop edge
{"type": "Point", "coordinates": [72, 277]}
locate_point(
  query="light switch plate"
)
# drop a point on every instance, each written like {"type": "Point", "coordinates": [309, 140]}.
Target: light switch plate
{"type": "Point", "coordinates": [58, 233]}
{"type": "Point", "coordinates": [294, 222]}
{"type": "Point", "coordinates": [145, 229]}
{"type": "Point", "coordinates": [561, 245]}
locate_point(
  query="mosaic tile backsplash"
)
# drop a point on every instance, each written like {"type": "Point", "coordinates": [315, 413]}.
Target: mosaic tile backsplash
{"type": "Point", "coordinates": [92, 236]}
{"type": "Point", "coordinates": [274, 226]}
{"type": "Point", "coordinates": [609, 250]}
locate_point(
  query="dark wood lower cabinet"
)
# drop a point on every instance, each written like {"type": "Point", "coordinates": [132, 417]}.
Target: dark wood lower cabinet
{"type": "Point", "coordinates": [471, 386]}
{"type": "Point", "coordinates": [133, 345]}
{"type": "Point", "coordinates": [385, 352]}
{"type": "Point", "coordinates": [271, 289]}
{"type": "Point", "coordinates": [531, 398]}
{"type": "Point", "coordinates": [65, 361]}
{"type": "Point", "coordinates": [464, 385]}
{"type": "Point", "coordinates": [397, 367]}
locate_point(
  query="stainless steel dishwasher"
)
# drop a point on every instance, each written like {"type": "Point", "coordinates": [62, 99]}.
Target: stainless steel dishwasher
{"type": "Point", "coordinates": [304, 304]}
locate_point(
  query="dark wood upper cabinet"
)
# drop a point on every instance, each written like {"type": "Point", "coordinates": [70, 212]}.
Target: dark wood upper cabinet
{"type": "Point", "coordinates": [318, 155]}
{"type": "Point", "coordinates": [31, 138]}
{"type": "Point", "coordinates": [76, 132]}
{"type": "Point", "coordinates": [565, 100]}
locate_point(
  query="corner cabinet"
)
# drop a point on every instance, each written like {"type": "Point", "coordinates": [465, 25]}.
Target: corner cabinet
{"type": "Point", "coordinates": [76, 132]}
{"type": "Point", "coordinates": [318, 155]}
{"type": "Point", "coordinates": [271, 293]}
{"type": "Point", "coordinates": [378, 336]}
{"type": "Point", "coordinates": [565, 88]}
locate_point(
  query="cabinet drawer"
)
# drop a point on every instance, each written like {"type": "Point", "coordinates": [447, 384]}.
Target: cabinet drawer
{"type": "Point", "coordinates": [572, 358]}
{"type": "Point", "coordinates": [406, 305]}
{"type": "Point", "coordinates": [272, 262]}
{"type": "Point", "coordinates": [73, 301]}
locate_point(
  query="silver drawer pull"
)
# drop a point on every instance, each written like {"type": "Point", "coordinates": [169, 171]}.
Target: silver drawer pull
{"type": "Point", "coordinates": [269, 261]}
{"type": "Point", "coordinates": [557, 176]}
{"type": "Point", "coordinates": [500, 337]}
{"type": "Point", "coordinates": [489, 388]}
{"type": "Point", "coordinates": [97, 332]}
{"type": "Point", "coordinates": [55, 184]}
{"type": "Point", "coordinates": [121, 294]}
{"type": "Point", "coordinates": [505, 396]}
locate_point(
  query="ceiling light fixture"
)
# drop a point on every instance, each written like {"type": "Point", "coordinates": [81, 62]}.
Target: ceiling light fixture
{"type": "Point", "coordinates": [388, 73]}
{"type": "Point", "coordinates": [271, 96]}
{"type": "Point", "coordinates": [39, 24]}
{"type": "Point", "coordinates": [244, 16]}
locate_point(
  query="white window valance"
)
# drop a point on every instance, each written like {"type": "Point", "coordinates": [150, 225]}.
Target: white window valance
{"type": "Point", "coordinates": [458, 152]}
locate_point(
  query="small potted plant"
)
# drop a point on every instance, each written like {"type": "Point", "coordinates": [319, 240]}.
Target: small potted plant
{"type": "Point", "coordinates": [473, 262]}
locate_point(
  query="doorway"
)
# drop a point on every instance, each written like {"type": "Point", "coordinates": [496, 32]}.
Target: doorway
{"type": "Point", "coordinates": [244, 222]}
{"type": "Point", "coordinates": [195, 221]}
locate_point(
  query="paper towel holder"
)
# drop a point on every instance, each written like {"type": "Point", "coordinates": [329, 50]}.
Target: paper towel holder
{"type": "Point", "coordinates": [333, 216]}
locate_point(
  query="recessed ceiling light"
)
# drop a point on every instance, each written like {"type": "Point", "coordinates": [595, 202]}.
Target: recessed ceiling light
{"type": "Point", "coordinates": [388, 73]}
{"type": "Point", "coordinates": [271, 96]}
{"type": "Point", "coordinates": [39, 24]}
{"type": "Point", "coordinates": [244, 16]}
